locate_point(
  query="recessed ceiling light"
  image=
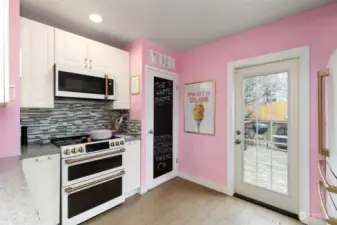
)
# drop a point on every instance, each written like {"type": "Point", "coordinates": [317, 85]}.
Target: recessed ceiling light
{"type": "Point", "coordinates": [94, 17]}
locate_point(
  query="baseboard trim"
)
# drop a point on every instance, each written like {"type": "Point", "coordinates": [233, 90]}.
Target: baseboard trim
{"type": "Point", "coordinates": [313, 221]}
{"type": "Point", "coordinates": [205, 183]}
{"type": "Point", "coordinates": [143, 190]}
{"type": "Point", "coordinates": [132, 193]}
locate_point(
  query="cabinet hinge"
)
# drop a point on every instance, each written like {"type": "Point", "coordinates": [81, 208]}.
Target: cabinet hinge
{"type": "Point", "coordinates": [176, 160]}
{"type": "Point", "coordinates": [177, 87]}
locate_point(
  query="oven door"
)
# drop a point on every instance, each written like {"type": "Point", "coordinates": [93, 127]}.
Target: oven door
{"type": "Point", "coordinates": [76, 82]}
{"type": "Point", "coordinates": [87, 199]}
{"type": "Point", "coordinates": [89, 166]}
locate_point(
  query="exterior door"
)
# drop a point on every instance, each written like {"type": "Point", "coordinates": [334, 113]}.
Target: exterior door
{"type": "Point", "coordinates": [267, 134]}
{"type": "Point", "coordinates": [162, 126]}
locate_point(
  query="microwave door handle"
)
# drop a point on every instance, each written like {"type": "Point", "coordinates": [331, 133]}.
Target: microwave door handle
{"type": "Point", "coordinates": [106, 76]}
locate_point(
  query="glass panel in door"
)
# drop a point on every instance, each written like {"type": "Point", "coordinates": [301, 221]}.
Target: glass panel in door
{"type": "Point", "coordinates": [265, 114]}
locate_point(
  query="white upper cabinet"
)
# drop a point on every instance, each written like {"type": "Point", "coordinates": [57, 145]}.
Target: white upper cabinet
{"type": "Point", "coordinates": [100, 57]}
{"type": "Point", "coordinates": [121, 66]}
{"type": "Point", "coordinates": [43, 46]}
{"type": "Point", "coordinates": [71, 49]}
{"type": "Point", "coordinates": [4, 52]}
{"type": "Point", "coordinates": [37, 49]}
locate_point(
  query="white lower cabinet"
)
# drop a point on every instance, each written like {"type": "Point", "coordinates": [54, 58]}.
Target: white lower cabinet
{"type": "Point", "coordinates": [131, 161]}
{"type": "Point", "coordinates": [43, 179]}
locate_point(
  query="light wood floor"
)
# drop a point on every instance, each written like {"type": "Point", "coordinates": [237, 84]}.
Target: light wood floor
{"type": "Point", "coordinates": [180, 202]}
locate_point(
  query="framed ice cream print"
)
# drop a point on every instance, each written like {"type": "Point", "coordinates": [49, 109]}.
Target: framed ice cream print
{"type": "Point", "coordinates": [200, 108]}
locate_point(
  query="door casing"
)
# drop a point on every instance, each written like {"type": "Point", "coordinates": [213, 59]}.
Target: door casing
{"type": "Point", "coordinates": [303, 54]}
{"type": "Point", "coordinates": [150, 182]}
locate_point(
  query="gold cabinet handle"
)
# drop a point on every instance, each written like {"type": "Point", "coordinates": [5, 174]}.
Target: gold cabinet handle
{"type": "Point", "coordinates": [80, 187]}
{"type": "Point", "coordinates": [321, 167]}
{"type": "Point", "coordinates": [328, 219]}
{"type": "Point", "coordinates": [321, 149]}
{"type": "Point", "coordinates": [106, 76]}
{"type": "Point", "coordinates": [71, 161]}
{"type": "Point", "coordinates": [85, 63]}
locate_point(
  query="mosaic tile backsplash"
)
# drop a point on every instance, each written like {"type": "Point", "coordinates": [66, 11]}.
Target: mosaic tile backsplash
{"type": "Point", "coordinates": [69, 117]}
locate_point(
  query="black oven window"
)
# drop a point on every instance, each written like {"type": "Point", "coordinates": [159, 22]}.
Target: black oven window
{"type": "Point", "coordinates": [93, 167]}
{"type": "Point", "coordinates": [82, 201]}
{"type": "Point", "coordinates": [72, 82]}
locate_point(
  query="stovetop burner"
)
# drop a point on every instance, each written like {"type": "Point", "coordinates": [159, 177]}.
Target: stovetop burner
{"type": "Point", "coordinates": [73, 140]}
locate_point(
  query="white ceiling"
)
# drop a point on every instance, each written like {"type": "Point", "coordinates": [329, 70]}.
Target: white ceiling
{"type": "Point", "coordinates": [176, 24]}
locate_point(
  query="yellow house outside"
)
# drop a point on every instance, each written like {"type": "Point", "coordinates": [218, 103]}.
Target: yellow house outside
{"type": "Point", "coordinates": [276, 111]}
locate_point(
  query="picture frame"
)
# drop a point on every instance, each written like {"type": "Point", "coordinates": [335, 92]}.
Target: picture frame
{"type": "Point", "coordinates": [199, 113]}
{"type": "Point", "coordinates": [135, 85]}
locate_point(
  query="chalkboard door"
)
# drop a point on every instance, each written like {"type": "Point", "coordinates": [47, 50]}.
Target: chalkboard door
{"type": "Point", "coordinates": [162, 126]}
{"type": "Point", "coordinates": [161, 97]}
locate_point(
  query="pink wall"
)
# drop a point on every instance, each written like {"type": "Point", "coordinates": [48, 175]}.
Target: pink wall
{"type": "Point", "coordinates": [140, 57]}
{"type": "Point", "coordinates": [146, 45]}
{"type": "Point", "coordinates": [135, 49]}
{"type": "Point", "coordinates": [10, 115]}
{"type": "Point", "coordinates": [205, 156]}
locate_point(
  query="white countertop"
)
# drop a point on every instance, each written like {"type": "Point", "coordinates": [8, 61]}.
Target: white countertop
{"type": "Point", "coordinates": [16, 201]}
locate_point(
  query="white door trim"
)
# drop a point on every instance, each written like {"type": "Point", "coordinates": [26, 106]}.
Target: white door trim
{"type": "Point", "coordinates": [304, 121]}
{"type": "Point", "coordinates": [173, 76]}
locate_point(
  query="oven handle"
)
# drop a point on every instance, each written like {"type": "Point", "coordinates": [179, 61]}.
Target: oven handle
{"type": "Point", "coordinates": [71, 161]}
{"type": "Point", "coordinates": [93, 183]}
{"type": "Point", "coordinates": [106, 76]}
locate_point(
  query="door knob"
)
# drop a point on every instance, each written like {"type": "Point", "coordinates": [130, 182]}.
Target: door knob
{"type": "Point", "coordinates": [238, 132]}
{"type": "Point", "coordinates": [150, 131]}
{"type": "Point", "coordinates": [85, 63]}
{"type": "Point", "coordinates": [237, 141]}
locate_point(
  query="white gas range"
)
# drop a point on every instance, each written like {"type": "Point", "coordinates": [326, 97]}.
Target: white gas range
{"type": "Point", "coordinates": [91, 176]}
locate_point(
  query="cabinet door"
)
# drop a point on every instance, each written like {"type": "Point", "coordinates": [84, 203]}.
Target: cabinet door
{"type": "Point", "coordinates": [71, 49]}
{"type": "Point", "coordinates": [37, 49]}
{"type": "Point", "coordinates": [100, 57]}
{"type": "Point", "coordinates": [121, 65]}
{"type": "Point", "coordinates": [4, 52]}
{"type": "Point", "coordinates": [43, 178]}
{"type": "Point", "coordinates": [132, 167]}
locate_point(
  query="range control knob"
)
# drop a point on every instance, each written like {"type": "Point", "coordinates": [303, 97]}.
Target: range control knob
{"type": "Point", "coordinates": [80, 149]}
{"type": "Point", "coordinates": [66, 152]}
{"type": "Point", "coordinates": [74, 150]}
{"type": "Point", "coordinates": [112, 144]}
{"type": "Point", "coordinates": [117, 143]}
{"type": "Point", "coordinates": [122, 142]}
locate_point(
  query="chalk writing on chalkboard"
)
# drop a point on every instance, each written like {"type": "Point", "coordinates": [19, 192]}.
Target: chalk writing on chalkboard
{"type": "Point", "coordinates": [163, 128]}
{"type": "Point", "coordinates": [163, 92]}
{"type": "Point", "coordinates": [163, 150]}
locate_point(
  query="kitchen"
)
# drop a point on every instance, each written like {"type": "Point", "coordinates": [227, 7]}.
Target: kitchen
{"type": "Point", "coordinates": [74, 139]}
{"type": "Point", "coordinates": [89, 117]}
{"type": "Point", "coordinates": [77, 139]}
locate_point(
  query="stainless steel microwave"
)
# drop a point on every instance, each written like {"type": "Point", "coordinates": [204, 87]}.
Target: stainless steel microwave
{"type": "Point", "coordinates": [77, 82]}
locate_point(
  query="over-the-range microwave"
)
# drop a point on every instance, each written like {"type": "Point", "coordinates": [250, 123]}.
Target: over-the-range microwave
{"type": "Point", "coordinates": [77, 82]}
